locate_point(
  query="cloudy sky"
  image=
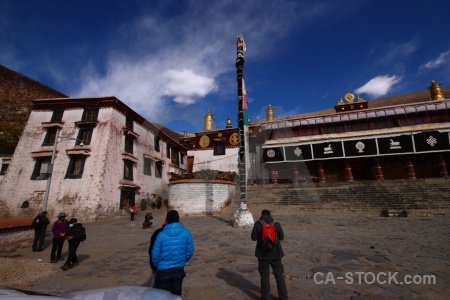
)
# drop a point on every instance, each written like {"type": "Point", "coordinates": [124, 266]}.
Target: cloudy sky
{"type": "Point", "coordinates": [173, 60]}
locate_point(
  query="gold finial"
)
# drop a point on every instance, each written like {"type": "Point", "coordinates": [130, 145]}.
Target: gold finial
{"type": "Point", "coordinates": [435, 91]}
{"type": "Point", "coordinates": [340, 102]}
{"type": "Point", "coordinates": [209, 122]}
{"type": "Point", "coordinates": [270, 113]}
{"type": "Point", "coordinates": [217, 127]}
{"type": "Point", "coordinates": [185, 134]}
{"type": "Point", "coordinates": [229, 125]}
{"type": "Point", "coordinates": [360, 99]}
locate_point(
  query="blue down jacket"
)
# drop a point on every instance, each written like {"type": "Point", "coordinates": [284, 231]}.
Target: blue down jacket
{"type": "Point", "coordinates": [173, 247]}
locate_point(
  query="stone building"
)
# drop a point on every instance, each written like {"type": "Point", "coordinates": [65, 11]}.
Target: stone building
{"type": "Point", "coordinates": [107, 157]}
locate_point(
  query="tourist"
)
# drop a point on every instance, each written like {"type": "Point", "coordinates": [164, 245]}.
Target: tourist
{"type": "Point", "coordinates": [39, 224]}
{"type": "Point", "coordinates": [75, 235]}
{"type": "Point", "coordinates": [133, 211]}
{"type": "Point", "coordinates": [59, 230]}
{"type": "Point", "coordinates": [269, 258]}
{"type": "Point", "coordinates": [173, 247]}
{"type": "Point", "coordinates": [152, 242]}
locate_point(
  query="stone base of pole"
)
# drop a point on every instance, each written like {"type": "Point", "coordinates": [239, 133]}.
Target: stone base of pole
{"type": "Point", "coordinates": [243, 218]}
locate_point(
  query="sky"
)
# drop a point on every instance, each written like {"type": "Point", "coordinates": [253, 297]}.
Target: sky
{"type": "Point", "coordinates": [173, 60]}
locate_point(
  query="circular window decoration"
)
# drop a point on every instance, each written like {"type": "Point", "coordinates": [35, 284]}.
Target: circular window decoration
{"type": "Point", "coordinates": [271, 153]}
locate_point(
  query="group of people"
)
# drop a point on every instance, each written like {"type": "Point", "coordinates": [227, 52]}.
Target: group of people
{"type": "Point", "coordinates": [172, 246]}
{"type": "Point", "coordinates": [62, 230]}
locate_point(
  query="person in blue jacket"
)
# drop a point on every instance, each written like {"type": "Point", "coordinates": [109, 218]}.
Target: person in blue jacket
{"type": "Point", "coordinates": [172, 249]}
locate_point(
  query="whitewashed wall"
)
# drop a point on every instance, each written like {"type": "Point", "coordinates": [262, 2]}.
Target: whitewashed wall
{"type": "Point", "coordinates": [96, 194]}
{"type": "Point", "coordinates": [206, 160]}
{"type": "Point", "coordinates": [200, 197]}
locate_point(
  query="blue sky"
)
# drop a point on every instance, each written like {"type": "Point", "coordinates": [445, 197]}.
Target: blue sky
{"type": "Point", "coordinates": [172, 60]}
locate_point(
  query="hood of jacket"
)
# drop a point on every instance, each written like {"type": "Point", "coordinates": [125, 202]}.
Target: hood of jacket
{"type": "Point", "coordinates": [174, 229]}
{"type": "Point", "coordinates": [266, 219]}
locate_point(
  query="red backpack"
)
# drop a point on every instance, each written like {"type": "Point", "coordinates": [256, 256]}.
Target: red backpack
{"type": "Point", "coordinates": [269, 236]}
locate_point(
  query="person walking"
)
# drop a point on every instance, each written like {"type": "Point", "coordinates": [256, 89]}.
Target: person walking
{"type": "Point", "coordinates": [172, 249]}
{"type": "Point", "coordinates": [133, 211]}
{"type": "Point", "coordinates": [269, 258]}
{"type": "Point", "coordinates": [39, 224]}
{"type": "Point", "coordinates": [59, 229]}
{"type": "Point", "coordinates": [75, 235]}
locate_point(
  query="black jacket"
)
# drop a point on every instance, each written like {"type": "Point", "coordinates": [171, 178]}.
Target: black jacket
{"type": "Point", "coordinates": [152, 242]}
{"type": "Point", "coordinates": [76, 232]}
{"type": "Point", "coordinates": [277, 253]}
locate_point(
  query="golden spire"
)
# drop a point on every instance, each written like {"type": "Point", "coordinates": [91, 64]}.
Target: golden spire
{"type": "Point", "coordinates": [435, 91]}
{"type": "Point", "coordinates": [270, 113]}
{"type": "Point", "coordinates": [229, 125]}
{"type": "Point", "coordinates": [209, 122]}
{"type": "Point", "coordinates": [185, 134]}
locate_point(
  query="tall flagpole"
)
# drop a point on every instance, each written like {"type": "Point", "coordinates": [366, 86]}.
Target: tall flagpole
{"type": "Point", "coordinates": [243, 217]}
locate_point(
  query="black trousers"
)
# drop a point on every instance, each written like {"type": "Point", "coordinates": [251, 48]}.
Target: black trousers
{"type": "Point", "coordinates": [39, 239]}
{"type": "Point", "coordinates": [72, 257]}
{"type": "Point", "coordinates": [278, 271]}
{"type": "Point", "coordinates": [57, 246]}
{"type": "Point", "coordinates": [170, 280]}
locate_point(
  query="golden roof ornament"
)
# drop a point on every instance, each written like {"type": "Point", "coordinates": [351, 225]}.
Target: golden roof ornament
{"type": "Point", "coordinates": [435, 91]}
{"type": "Point", "coordinates": [340, 102]}
{"type": "Point", "coordinates": [349, 97]}
{"type": "Point", "coordinates": [360, 99]}
{"type": "Point", "coordinates": [185, 134]}
{"type": "Point", "coordinates": [270, 113]}
{"type": "Point", "coordinates": [209, 122]}
{"type": "Point", "coordinates": [229, 125]}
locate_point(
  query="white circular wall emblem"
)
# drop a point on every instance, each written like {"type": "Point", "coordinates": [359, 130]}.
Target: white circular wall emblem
{"type": "Point", "coordinates": [298, 151]}
{"type": "Point", "coordinates": [360, 146]}
{"type": "Point", "coordinates": [270, 153]}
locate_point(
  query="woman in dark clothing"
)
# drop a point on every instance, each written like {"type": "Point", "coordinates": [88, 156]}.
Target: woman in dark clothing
{"type": "Point", "coordinates": [59, 230]}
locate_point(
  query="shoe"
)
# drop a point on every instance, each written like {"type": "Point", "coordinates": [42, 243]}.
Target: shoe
{"type": "Point", "coordinates": [65, 267]}
{"type": "Point", "coordinates": [40, 250]}
{"type": "Point", "coordinates": [34, 250]}
{"type": "Point", "coordinates": [54, 261]}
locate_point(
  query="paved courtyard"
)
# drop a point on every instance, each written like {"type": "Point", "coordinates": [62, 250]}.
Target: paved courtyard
{"type": "Point", "coordinates": [327, 257]}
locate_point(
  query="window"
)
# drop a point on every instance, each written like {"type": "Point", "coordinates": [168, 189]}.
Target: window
{"type": "Point", "coordinates": [76, 166]}
{"type": "Point", "coordinates": [41, 168]}
{"type": "Point", "coordinates": [129, 139]}
{"type": "Point", "coordinates": [57, 115]}
{"type": "Point", "coordinates": [129, 124]}
{"type": "Point", "coordinates": [147, 166]}
{"type": "Point", "coordinates": [168, 151]}
{"type": "Point", "coordinates": [219, 148]}
{"type": "Point", "coordinates": [158, 169]}
{"type": "Point", "coordinates": [187, 144]}
{"type": "Point", "coordinates": [84, 136]}
{"type": "Point", "coordinates": [50, 137]}
{"type": "Point", "coordinates": [181, 158]}
{"type": "Point", "coordinates": [4, 168]}
{"type": "Point", "coordinates": [157, 139]}
{"type": "Point", "coordinates": [175, 157]}
{"type": "Point", "coordinates": [90, 114]}
{"type": "Point", "coordinates": [128, 170]}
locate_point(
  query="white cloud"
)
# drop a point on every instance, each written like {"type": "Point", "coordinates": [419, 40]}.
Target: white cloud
{"type": "Point", "coordinates": [185, 86]}
{"type": "Point", "coordinates": [442, 59]}
{"type": "Point", "coordinates": [378, 86]}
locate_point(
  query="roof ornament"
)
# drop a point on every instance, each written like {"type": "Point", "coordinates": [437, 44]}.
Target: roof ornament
{"type": "Point", "coordinates": [209, 122]}
{"type": "Point", "coordinates": [229, 125]}
{"type": "Point", "coordinates": [435, 91]}
{"type": "Point", "coordinates": [270, 113]}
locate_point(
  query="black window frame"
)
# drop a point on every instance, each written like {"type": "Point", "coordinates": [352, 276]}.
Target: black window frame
{"type": "Point", "coordinates": [147, 166]}
{"type": "Point", "coordinates": [129, 124]}
{"type": "Point", "coordinates": [57, 115]}
{"type": "Point", "coordinates": [4, 168]}
{"type": "Point", "coordinates": [90, 114]}
{"type": "Point", "coordinates": [37, 175]}
{"type": "Point", "coordinates": [158, 169]}
{"type": "Point", "coordinates": [72, 164]}
{"type": "Point", "coordinates": [128, 164]}
{"type": "Point", "coordinates": [174, 156]}
{"type": "Point", "coordinates": [50, 136]}
{"type": "Point", "coordinates": [81, 138]}
{"type": "Point", "coordinates": [219, 148]}
{"type": "Point", "coordinates": [129, 143]}
{"type": "Point", "coordinates": [168, 151]}
{"type": "Point", "coordinates": [157, 140]}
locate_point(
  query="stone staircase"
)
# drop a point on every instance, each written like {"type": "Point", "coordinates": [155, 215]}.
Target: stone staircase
{"type": "Point", "coordinates": [420, 197]}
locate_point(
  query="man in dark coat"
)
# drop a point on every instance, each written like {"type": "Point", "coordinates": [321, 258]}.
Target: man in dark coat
{"type": "Point", "coordinates": [267, 259]}
{"type": "Point", "coordinates": [74, 237]}
{"type": "Point", "coordinates": [40, 230]}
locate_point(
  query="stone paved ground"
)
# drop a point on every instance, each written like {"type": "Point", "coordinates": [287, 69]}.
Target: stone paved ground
{"type": "Point", "coordinates": [224, 266]}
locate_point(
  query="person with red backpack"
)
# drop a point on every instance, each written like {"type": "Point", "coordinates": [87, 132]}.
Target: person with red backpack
{"type": "Point", "coordinates": [268, 234]}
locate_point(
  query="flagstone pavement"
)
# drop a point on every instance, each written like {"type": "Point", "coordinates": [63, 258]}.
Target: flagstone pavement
{"type": "Point", "coordinates": [328, 256]}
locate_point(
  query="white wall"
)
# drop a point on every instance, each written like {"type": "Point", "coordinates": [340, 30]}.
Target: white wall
{"type": "Point", "coordinates": [206, 160]}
